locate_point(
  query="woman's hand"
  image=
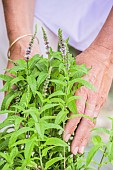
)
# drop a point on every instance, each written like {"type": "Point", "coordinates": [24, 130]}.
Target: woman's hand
{"type": "Point", "coordinates": [100, 75]}
{"type": "Point", "coordinates": [18, 50]}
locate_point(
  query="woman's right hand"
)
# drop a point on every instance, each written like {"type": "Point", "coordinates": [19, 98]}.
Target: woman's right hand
{"type": "Point", "coordinates": [18, 50]}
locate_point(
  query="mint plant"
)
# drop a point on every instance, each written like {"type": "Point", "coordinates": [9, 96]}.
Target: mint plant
{"type": "Point", "coordinates": [38, 108]}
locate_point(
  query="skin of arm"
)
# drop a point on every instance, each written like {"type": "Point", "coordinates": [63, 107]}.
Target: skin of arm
{"type": "Point", "coordinates": [19, 17]}
{"type": "Point", "coordinates": [98, 56]}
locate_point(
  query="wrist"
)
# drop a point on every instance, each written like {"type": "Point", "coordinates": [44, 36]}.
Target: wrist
{"type": "Point", "coordinates": [105, 54]}
{"type": "Point", "coordinates": [18, 49]}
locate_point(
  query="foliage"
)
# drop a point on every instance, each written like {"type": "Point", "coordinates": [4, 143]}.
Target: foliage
{"type": "Point", "coordinates": [38, 108]}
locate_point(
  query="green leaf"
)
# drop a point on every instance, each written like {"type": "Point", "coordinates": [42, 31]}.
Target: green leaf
{"type": "Point", "coordinates": [52, 126]}
{"type": "Point", "coordinates": [52, 161]}
{"type": "Point", "coordinates": [32, 62]}
{"type": "Point", "coordinates": [6, 167]}
{"type": "Point", "coordinates": [6, 111]}
{"type": "Point", "coordinates": [5, 123]}
{"type": "Point", "coordinates": [96, 140]}
{"type": "Point", "coordinates": [15, 135]}
{"type": "Point", "coordinates": [23, 101]}
{"type": "Point", "coordinates": [16, 80]}
{"type": "Point", "coordinates": [101, 130]}
{"type": "Point", "coordinates": [21, 63]}
{"type": "Point", "coordinates": [56, 142]}
{"type": "Point", "coordinates": [72, 106]}
{"type": "Point", "coordinates": [58, 82]}
{"type": "Point", "coordinates": [5, 87]}
{"type": "Point", "coordinates": [57, 93]}
{"type": "Point", "coordinates": [32, 83]}
{"type": "Point", "coordinates": [16, 69]}
{"type": "Point", "coordinates": [8, 99]}
{"type": "Point", "coordinates": [34, 112]}
{"type": "Point", "coordinates": [5, 77]}
{"type": "Point", "coordinates": [81, 81]}
{"type": "Point", "coordinates": [57, 100]}
{"type": "Point", "coordinates": [69, 168]}
{"type": "Point", "coordinates": [40, 96]}
{"type": "Point", "coordinates": [18, 121]}
{"type": "Point", "coordinates": [47, 106]}
{"type": "Point", "coordinates": [91, 153]}
{"type": "Point", "coordinates": [61, 116]}
{"type": "Point", "coordinates": [4, 155]}
{"type": "Point", "coordinates": [4, 144]}
{"type": "Point", "coordinates": [110, 151]}
{"type": "Point", "coordinates": [41, 78]}
{"type": "Point", "coordinates": [14, 153]}
{"type": "Point", "coordinates": [72, 98]}
{"type": "Point", "coordinates": [29, 149]}
{"type": "Point", "coordinates": [44, 151]}
{"type": "Point", "coordinates": [48, 117]}
{"type": "Point", "coordinates": [2, 162]}
{"type": "Point", "coordinates": [40, 129]}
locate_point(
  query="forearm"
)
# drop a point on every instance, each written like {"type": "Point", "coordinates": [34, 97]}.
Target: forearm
{"type": "Point", "coordinates": [105, 37]}
{"type": "Point", "coordinates": [19, 17]}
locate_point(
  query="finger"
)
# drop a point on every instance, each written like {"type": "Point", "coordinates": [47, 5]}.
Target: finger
{"type": "Point", "coordinates": [81, 136]}
{"type": "Point", "coordinates": [72, 123]}
{"type": "Point", "coordinates": [83, 131]}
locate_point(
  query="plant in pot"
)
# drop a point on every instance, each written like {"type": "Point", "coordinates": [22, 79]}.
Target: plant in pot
{"type": "Point", "coordinates": [38, 108]}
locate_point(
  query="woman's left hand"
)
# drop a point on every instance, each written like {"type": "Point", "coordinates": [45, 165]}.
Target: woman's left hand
{"type": "Point", "coordinates": [100, 75]}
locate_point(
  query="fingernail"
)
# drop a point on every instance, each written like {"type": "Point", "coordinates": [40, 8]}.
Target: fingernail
{"type": "Point", "coordinates": [81, 149]}
{"type": "Point", "coordinates": [75, 150]}
{"type": "Point", "coordinates": [66, 138]}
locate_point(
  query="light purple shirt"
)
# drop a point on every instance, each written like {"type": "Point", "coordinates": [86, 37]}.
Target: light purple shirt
{"type": "Point", "coordinates": [81, 20]}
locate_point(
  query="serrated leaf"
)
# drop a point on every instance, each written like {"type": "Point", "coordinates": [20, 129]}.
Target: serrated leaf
{"type": "Point", "coordinates": [41, 78]}
{"type": "Point", "coordinates": [21, 63]}
{"type": "Point", "coordinates": [58, 82]}
{"type": "Point", "coordinates": [32, 83]}
{"type": "Point", "coordinates": [101, 130]}
{"type": "Point", "coordinates": [6, 167]}
{"type": "Point", "coordinates": [6, 111]}
{"type": "Point", "coordinates": [110, 151]}
{"type": "Point", "coordinates": [34, 112]}
{"type": "Point", "coordinates": [5, 77]}
{"type": "Point", "coordinates": [23, 101]}
{"type": "Point", "coordinates": [57, 100]}
{"type": "Point", "coordinates": [5, 87]}
{"type": "Point", "coordinates": [61, 117]}
{"type": "Point", "coordinates": [91, 153]}
{"type": "Point", "coordinates": [15, 69]}
{"type": "Point", "coordinates": [40, 129]}
{"type": "Point", "coordinates": [20, 142]}
{"type": "Point", "coordinates": [81, 81]}
{"type": "Point", "coordinates": [40, 96]}
{"type": "Point", "coordinates": [16, 80]}
{"type": "Point", "coordinates": [4, 144]}
{"type": "Point", "coordinates": [56, 142]}
{"type": "Point", "coordinates": [29, 149]}
{"type": "Point", "coordinates": [72, 98]}
{"type": "Point", "coordinates": [72, 106]}
{"type": "Point", "coordinates": [8, 99]}
{"type": "Point", "coordinates": [52, 126]}
{"type": "Point", "coordinates": [52, 161]}
{"type": "Point", "coordinates": [57, 93]}
{"type": "Point", "coordinates": [44, 151]}
{"type": "Point", "coordinates": [47, 106]}
{"type": "Point", "coordinates": [2, 162]}
{"type": "Point", "coordinates": [32, 62]}
{"type": "Point", "coordinates": [15, 135]}
{"type": "Point", "coordinates": [14, 153]}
